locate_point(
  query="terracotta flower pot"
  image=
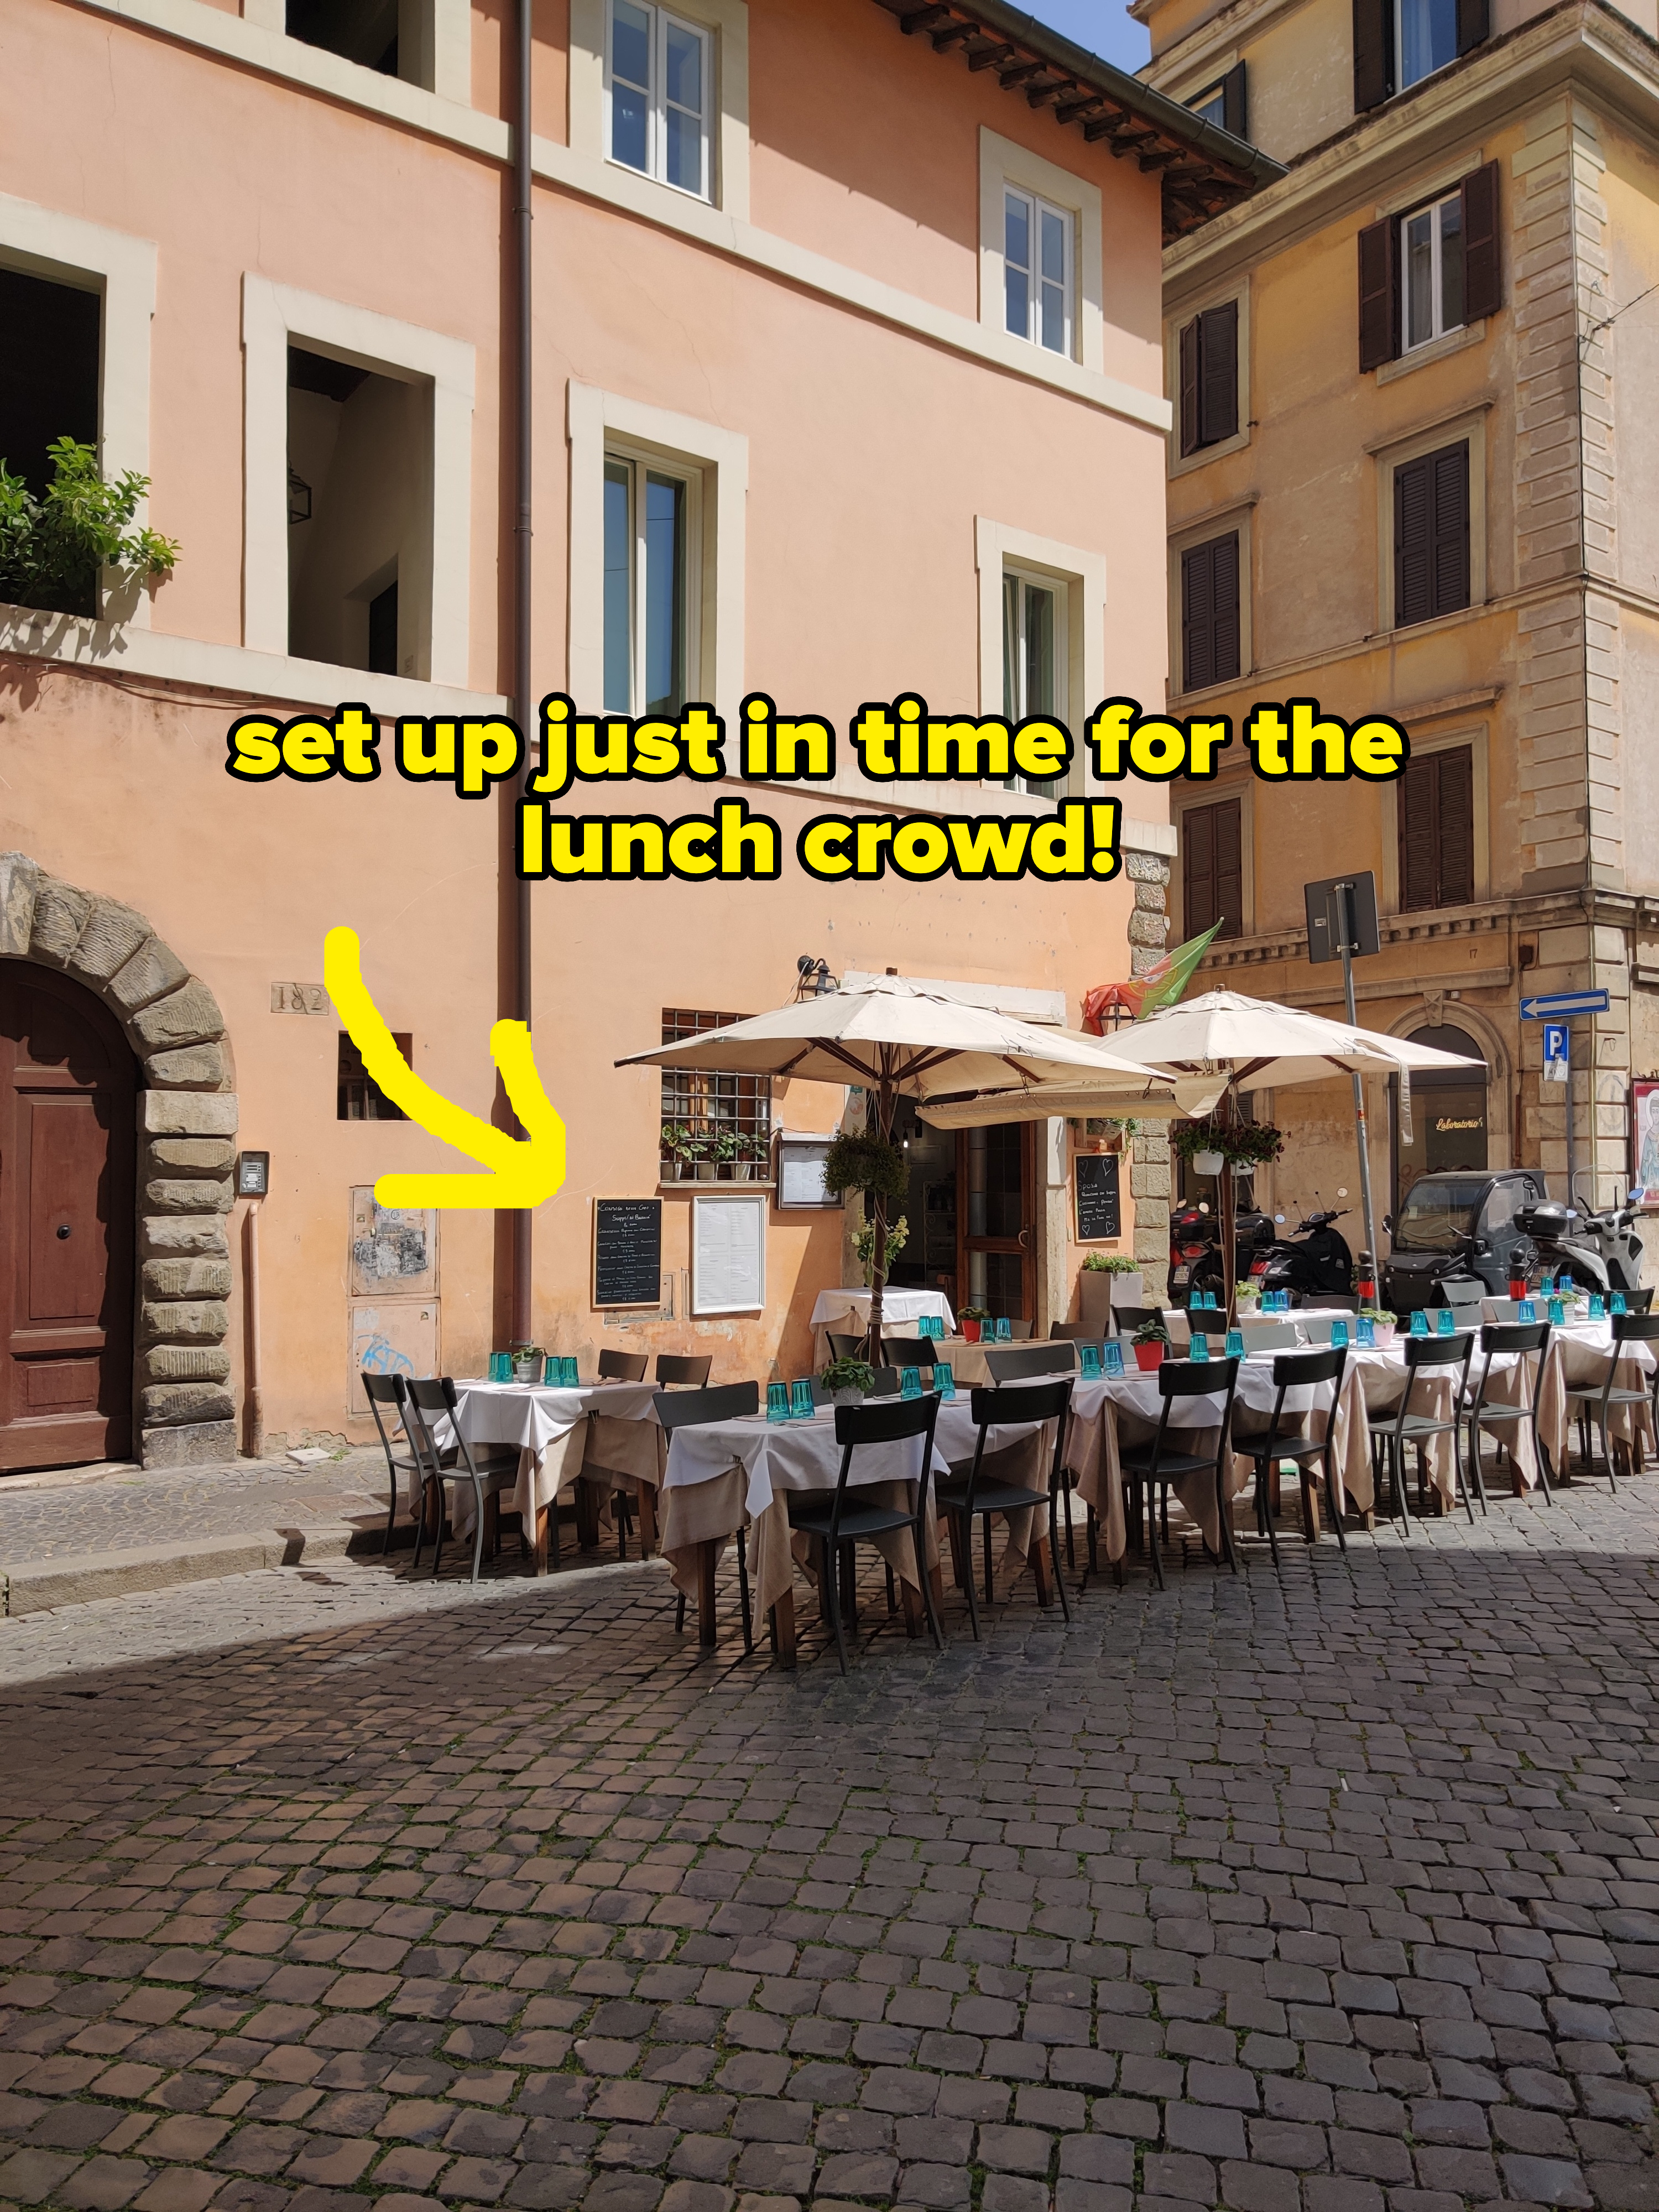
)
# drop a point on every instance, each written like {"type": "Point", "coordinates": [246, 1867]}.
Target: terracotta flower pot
{"type": "Point", "coordinates": [1150, 1356]}
{"type": "Point", "coordinates": [969, 1331]}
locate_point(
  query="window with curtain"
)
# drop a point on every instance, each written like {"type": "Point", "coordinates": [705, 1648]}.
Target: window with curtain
{"type": "Point", "coordinates": [1033, 657]}
{"type": "Point", "coordinates": [659, 84]}
{"type": "Point", "coordinates": [651, 517]}
{"type": "Point", "coordinates": [1037, 256]}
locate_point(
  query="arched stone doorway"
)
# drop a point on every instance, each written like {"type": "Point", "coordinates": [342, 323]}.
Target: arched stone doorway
{"type": "Point", "coordinates": [1449, 1113]}
{"type": "Point", "coordinates": [97, 970]}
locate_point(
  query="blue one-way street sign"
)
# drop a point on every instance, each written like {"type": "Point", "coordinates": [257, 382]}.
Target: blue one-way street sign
{"type": "Point", "coordinates": [1561, 1006]}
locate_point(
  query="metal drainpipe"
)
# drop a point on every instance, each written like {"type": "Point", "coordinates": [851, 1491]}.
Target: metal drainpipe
{"type": "Point", "coordinates": [523, 707]}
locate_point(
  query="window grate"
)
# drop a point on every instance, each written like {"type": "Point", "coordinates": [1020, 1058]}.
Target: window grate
{"type": "Point", "coordinates": [726, 1119]}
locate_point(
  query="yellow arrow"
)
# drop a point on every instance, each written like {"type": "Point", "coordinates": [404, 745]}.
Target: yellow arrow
{"type": "Point", "coordinates": [525, 1171]}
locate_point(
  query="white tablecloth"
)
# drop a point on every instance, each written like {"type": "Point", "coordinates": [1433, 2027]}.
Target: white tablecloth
{"type": "Point", "coordinates": [848, 1312]}
{"type": "Point", "coordinates": [549, 1427]}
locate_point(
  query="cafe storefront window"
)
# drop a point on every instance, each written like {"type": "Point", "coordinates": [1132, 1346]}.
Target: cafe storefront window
{"type": "Point", "coordinates": [1448, 1116]}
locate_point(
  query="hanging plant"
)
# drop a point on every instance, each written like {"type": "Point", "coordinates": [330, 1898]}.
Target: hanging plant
{"type": "Point", "coordinates": [1245, 1145]}
{"type": "Point", "coordinates": [865, 1163]}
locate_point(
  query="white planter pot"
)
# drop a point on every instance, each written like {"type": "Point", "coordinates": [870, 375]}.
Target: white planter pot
{"type": "Point", "coordinates": [743, 1171]}
{"type": "Point", "coordinates": [1208, 1163]}
{"type": "Point", "coordinates": [847, 1397]}
{"type": "Point", "coordinates": [707, 1170]}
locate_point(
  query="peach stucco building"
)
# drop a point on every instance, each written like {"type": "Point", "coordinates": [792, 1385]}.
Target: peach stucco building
{"type": "Point", "coordinates": [847, 378]}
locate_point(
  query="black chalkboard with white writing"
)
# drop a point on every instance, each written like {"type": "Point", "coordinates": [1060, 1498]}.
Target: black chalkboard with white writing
{"type": "Point", "coordinates": [1098, 1215]}
{"type": "Point", "coordinates": [627, 1251]}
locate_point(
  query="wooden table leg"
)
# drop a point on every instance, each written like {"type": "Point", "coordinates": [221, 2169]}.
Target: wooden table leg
{"type": "Point", "coordinates": [587, 1517]}
{"type": "Point", "coordinates": [706, 1552]}
{"type": "Point", "coordinates": [953, 1528]}
{"type": "Point", "coordinates": [1040, 1565]}
{"type": "Point", "coordinates": [936, 1575]}
{"type": "Point", "coordinates": [545, 1533]}
{"type": "Point", "coordinates": [783, 1623]}
{"type": "Point", "coordinates": [1309, 1506]}
{"type": "Point", "coordinates": [912, 1600]}
{"type": "Point", "coordinates": [647, 1498]}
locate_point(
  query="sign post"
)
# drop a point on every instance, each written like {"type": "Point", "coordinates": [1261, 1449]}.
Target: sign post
{"type": "Point", "coordinates": [1555, 1009]}
{"type": "Point", "coordinates": [1342, 923]}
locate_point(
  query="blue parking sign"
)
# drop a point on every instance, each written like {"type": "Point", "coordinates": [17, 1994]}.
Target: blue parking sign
{"type": "Point", "coordinates": [1555, 1052]}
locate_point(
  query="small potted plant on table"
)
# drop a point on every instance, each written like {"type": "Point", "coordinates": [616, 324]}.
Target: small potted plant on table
{"type": "Point", "coordinates": [849, 1382]}
{"type": "Point", "coordinates": [969, 1320]}
{"type": "Point", "coordinates": [1151, 1342]}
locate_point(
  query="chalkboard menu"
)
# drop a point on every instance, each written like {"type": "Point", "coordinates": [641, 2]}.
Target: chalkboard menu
{"type": "Point", "coordinates": [1098, 1214]}
{"type": "Point", "coordinates": [627, 1251]}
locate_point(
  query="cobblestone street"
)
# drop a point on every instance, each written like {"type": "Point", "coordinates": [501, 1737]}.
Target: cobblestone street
{"type": "Point", "coordinates": [1335, 1892]}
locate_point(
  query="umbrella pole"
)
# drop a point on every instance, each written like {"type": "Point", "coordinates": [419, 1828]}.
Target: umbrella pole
{"type": "Point", "coordinates": [1230, 1242]}
{"type": "Point", "coordinates": [882, 1104]}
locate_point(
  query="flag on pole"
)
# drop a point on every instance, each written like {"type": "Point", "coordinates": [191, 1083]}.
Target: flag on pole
{"type": "Point", "coordinates": [1163, 985]}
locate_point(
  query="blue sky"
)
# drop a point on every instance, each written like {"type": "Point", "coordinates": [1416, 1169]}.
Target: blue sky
{"type": "Point", "coordinates": [1104, 26]}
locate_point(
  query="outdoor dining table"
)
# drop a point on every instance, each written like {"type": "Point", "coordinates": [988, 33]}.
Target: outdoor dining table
{"type": "Point", "coordinates": [610, 1426]}
{"type": "Point", "coordinates": [724, 1475]}
{"type": "Point", "coordinates": [848, 1312]}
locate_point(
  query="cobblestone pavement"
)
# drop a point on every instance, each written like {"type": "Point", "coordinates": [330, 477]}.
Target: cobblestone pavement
{"type": "Point", "coordinates": [1331, 1892]}
{"type": "Point", "coordinates": [129, 1506]}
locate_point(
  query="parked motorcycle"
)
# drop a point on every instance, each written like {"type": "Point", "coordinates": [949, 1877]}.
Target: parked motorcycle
{"type": "Point", "coordinates": [1600, 1251]}
{"type": "Point", "coordinates": [1195, 1250]}
{"type": "Point", "coordinates": [1313, 1262]}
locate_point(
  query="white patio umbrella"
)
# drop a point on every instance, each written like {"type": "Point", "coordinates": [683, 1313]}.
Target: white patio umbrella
{"type": "Point", "coordinates": [1258, 1045]}
{"type": "Point", "coordinates": [895, 1038]}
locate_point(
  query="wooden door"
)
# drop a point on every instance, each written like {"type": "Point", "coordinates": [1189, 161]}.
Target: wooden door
{"type": "Point", "coordinates": [994, 1218]}
{"type": "Point", "coordinates": [66, 1205]}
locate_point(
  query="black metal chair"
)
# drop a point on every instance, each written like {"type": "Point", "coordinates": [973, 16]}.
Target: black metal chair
{"type": "Point", "coordinates": [683, 1369]}
{"type": "Point", "coordinates": [1388, 1444]}
{"type": "Point", "coordinates": [907, 1351]}
{"type": "Point", "coordinates": [1296, 1370]}
{"type": "Point", "coordinates": [976, 1496]}
{"type": "Point", "coordinates": [402, 1464]}
{"type": "Point", "coordinates": [1149, 1469]}
{"type": "Point", "coordinates": [1014, 1364]}
{"type": "Point", "coordinates": [623, 1366]}
{"type": "Point", "coordinates": [696, 1409]}
{"type": "Point", "coordinates": [1599, 1401]}
{"type": "Point", "coordinates": [1483, 1414]}
{"type": "Point", "coordinates": [844, 1347]}
{"type": "Point", "coordinates": [1129, 1319]}
{"type": "Point", "coordinates": [426, 1399]}
{"type": "Point", "coordinates": [837, 1524]}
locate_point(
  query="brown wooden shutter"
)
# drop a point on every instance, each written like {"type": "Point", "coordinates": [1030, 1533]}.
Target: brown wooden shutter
{"type": "Point", "coordinates": [1419, 839]}
{"type": "Point", "coordinates": [1212, 872]}
{"type": "Point", "coordinates": [1450, 524]}
{"type": "Point", "coordinates": [1379, 294]}
{"type": "Point", "coordinates": [1218, 374]}
{"type": "Point", "coordinates": [1454, 807]}
{"type": "Point", "coordinates": [1233, 112]}
{"type": "Point", "coordinates": [1373, 53]}
{"type": "Point", "coordinates": [1198, 869]}
{"type": "Point", "coordinates": [1483, 270]}
{"type": "Point", "coordinates": [1190, 387]}
{"type": "Point", "coordinates": [1473, 24]}
{"type": "Point", "coordinates": [1413, 596]}
{"type": "Point", "coordinates": [1224, 592]}
{"type": "Point", "coordinates": [1229, 869]}
{"type": "Point", "coordinates": [1197, 619]}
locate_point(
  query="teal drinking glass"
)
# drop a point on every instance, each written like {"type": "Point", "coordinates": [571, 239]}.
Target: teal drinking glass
{"type": "Point", "coordinates": [1113, 1359]}
{"type": "Point", "coordinates": [800, 1401]}
{"type": "Point", "coordinates": [1201, 1348]}
{"type": "Point", "coordinates": [944, 1380]}
{"type": "Point", "coordinates": [1235, 1344]}
{"type": "Point", "coordinates": [910, 1382]}
{"type": "Point", "coordinates": [1092, 1359]}
{"type": "Point", "coordinates": [1558, 1312]}
{"type": "Point", "coordinates": [1339, 1333]}
{"type": "Point", "coordinates": [1367, 1332]}
{"type": "Point", "coordinates": [777, 1401]}
{"type": "Point", "coordinates": [1445, 1323]}
{"type": "Point", "coordinates": [1525, 1310]}
{"type": "Point", "coordinates": [1419, 1323]}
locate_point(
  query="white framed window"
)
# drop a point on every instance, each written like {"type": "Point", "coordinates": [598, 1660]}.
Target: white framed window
{"type": "Point", "coordinates": [653, 574]}
{"type": "Point", "coordinates": [1425, 38]}
{"type": "Point", "coordinates": [1036, 661]}
{"type": "Point", "coordinates": [1432, 271]}
{"type": "Point", "coordinates": [659, 80]}
{"type": "Point", "coordinates": [1038, 263]}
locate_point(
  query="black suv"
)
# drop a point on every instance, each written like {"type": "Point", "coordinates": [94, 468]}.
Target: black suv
{"type": "Point", "coordinates": [1459, 1223]}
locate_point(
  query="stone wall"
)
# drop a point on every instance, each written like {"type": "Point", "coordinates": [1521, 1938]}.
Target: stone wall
{"type": "Point", "coordinates": [187, 1119]}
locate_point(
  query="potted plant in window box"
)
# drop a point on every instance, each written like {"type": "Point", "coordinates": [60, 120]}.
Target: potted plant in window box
{"type": "Point", "coordinates": [969, 1320]}
{"type": "Point", "coordinates": [849, 1382]}
{"type": "Point", "coordinates": [1152, 1343]}
{"type": "Point", "coordinates": [1107, 1279]}
{"type": "Point", "coordinates": [759, 1145]}
{"type": "Point", "coordinates": [726, 1147]}
{"type": "Point", "coordinates": [705, 1165]}
{"type": "Point", "coordinates": [677, 1146]}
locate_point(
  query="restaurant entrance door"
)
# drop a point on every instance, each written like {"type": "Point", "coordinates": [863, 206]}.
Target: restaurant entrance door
{"type": "Point", "coordinates": [996, 1212]}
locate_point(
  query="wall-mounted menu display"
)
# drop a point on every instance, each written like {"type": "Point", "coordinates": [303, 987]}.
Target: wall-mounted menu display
{"type": "Point", "coordinates": [627, 1251]}
{"type": "Point", "coordinates": [1099, 1216]}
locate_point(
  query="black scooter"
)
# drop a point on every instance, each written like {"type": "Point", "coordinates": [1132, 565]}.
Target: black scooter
{"type": "Point", "coordinates": [1195, 1250]}
{"type": "Point", "coordinates": [1317, 1263]}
